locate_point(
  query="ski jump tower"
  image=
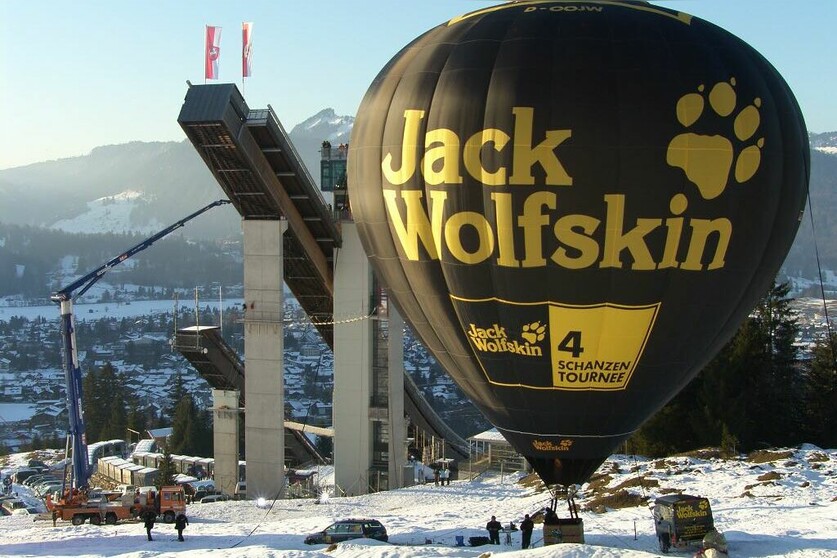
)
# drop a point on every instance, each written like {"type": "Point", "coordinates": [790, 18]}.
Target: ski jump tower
{"type": "Point", "coordinates": [291, 236]}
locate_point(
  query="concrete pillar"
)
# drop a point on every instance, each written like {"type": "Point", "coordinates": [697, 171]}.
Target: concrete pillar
{"type": "Point", "coordinates": [397, 423]}
{"type": "Point", "coordinates": [225, 413]}
{"type": "Point", "coordinates": [264, 437]}
{"type": "Point", "coordinates": [352, 365]}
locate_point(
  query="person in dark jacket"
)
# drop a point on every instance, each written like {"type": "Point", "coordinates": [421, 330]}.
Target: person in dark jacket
{"type": "Point", "coordinates": [180, 523]}
{"type": "Point", "coordinates": [493, 527]}
{"type": "Point", "coordinates": [148, 518]}
{"type": "Point", "coordinates": [526, 527]}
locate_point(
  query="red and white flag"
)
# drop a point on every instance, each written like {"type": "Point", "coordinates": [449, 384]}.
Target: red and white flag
{"type": "Point", "coordinates": [213, 52]}
{"type": "Point", "coordinates": [246, 48]}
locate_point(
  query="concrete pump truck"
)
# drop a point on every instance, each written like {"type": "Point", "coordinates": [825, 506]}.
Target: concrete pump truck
{"type": "Point", "coordinates": [73, 504]}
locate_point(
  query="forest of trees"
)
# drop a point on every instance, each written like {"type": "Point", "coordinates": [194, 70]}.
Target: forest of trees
{"type": "Point", "coordinates": [111, 409]}
{"type": "Point", "coordinates": [30, 256]}
{"type": "Point", "coordinates": [755, 393]}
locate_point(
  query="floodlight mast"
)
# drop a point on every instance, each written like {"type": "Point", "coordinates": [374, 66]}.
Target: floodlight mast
{"type": "Point", "coordinates": [81, 472]}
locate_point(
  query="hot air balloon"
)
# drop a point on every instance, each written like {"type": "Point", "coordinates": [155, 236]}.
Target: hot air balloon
{"type": "Point", "coordinates": [575, 204]}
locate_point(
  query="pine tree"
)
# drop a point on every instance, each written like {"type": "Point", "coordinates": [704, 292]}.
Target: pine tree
{"type": "Point", "coordinates": [204, 440]}
{"type": "Point", "coordinates": [109, 401]}
{"type": "Point", "coordinates": [668, 431]}
{"type": "Point", "coordinates": [36, 443]}
{"type": "Point", "coordinates": [137, 416]}
{"type": "Point", "coordinates": [821, 395]}
{"type": "Point", "coordinates": [181, 426]}
{"type": "Point", "coordinates": [167, 471]}
{"type": "Point", "coordinates": [735, 390]}
{"type": "Point", "coordinates": [750, 392]}
{"type": "Point", "coordinates": [91, 405]}
{"type": "Point", "coordinates": [325, 446]}
{"type": "Point", "coordinates": [191, 429]}
{"type": "Point", "coordinates": [118, 420]}
{"type": "Point", "coordinates": [728, 442]}
{"type": "Point", "coordinates": [178, 392]}
{"type": "Point", "coordinates": [782, 424]}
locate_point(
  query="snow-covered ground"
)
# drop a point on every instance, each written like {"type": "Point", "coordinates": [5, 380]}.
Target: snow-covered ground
{"type": "Point", "coordinates": [781, 503]}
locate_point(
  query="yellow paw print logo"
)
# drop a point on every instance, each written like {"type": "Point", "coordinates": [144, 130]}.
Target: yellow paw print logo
{"type": "Point", "coordinates": [534, 332]}
{"type": "Point", "coordinates": [708, 159]}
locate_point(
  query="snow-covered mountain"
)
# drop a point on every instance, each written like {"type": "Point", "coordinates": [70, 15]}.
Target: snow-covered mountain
{"type": "Point", "coordinates": [140, 186]}
{"type": "Point", "coordinates": [157, 182]}
{"type": "Point", "coordinates": [112, 214]}
{"type": "Point", "coordinates": [309, 135]}
{"type": "Point", "coordinates": [326, 125]}
{"type": "Point", "coordinates": [826, 143]}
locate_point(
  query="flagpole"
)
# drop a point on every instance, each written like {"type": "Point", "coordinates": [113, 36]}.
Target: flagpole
{"type": "Point", "coordinates": [246, 46]}
{"type": "Point", "coordinates": [212, 52]}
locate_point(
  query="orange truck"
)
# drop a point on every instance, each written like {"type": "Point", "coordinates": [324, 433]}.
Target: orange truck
{"type": "Point", "coordinates": [167, 503]}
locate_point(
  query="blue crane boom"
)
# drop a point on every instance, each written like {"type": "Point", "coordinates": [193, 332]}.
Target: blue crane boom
{"type": "Point", "coordinates": [72, 373]}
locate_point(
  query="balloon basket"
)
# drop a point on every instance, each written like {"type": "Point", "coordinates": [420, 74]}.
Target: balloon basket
{"type": "Point", "coordinates": [566, 530]}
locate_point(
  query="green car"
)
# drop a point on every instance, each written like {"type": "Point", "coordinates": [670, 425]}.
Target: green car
{"type": "Point", "coordinates": [348, 529]}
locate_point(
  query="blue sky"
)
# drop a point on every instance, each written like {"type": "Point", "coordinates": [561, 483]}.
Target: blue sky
{"type": "Point", "coordinates": [76, 75]}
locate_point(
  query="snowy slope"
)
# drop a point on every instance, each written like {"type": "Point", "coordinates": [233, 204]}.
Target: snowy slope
{"type": "Point", "coordinates": [109, 214]}
{"type": "Point", "coordinates": [779, 503]}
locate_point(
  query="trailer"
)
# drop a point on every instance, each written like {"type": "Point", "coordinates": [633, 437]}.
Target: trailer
{"type": "Point", "coordinates": [681, 519]}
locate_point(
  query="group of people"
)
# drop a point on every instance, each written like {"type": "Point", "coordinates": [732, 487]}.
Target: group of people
{"type": "Point", "coordinates": [149, 517]}
{"type": "Point", "coordinates": [526, 527]}
{"type": "Point", "coordinates": [441, 476]}
{"type": "Point", "coordinates": [714, 544]}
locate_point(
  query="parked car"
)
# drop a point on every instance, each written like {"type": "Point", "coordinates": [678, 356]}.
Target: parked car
{"type": "Point", "coordinates": [13, 504]}
{"type": "Point", "coordinates": [34, 479]}
{"type": "Point", "coordinates": [348, 529]}
{"type": "Point", "coordinates": [214, 498]}
{"type": "Point", "coordinates": [43, 487]}
{"type": "Point", "coordinates": [37, 464]}
{"type": "Point", "coordinates": [52, 491]}
{"type": "Point", "coordinates": [22, 474]}
{"type": "Point", "coordinates": [200, 494]}
{"type": "Point", "coordinates": [28, 510]}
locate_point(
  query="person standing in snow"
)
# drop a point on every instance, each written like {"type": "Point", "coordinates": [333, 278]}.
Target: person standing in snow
{"type": "Point", "coordinates": [148, 520]}
{"type": "Point", "coordinates": [493, 528]}
{"type": "Point", "coordinates": [180, 523]}
{"type": "Point", "coordinates": [526, 527]}
{"type": "Point", "coordinates": [445, 476]}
